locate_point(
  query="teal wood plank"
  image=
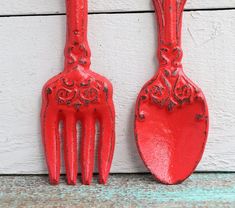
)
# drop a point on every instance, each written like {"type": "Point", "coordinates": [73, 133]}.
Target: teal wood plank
{"type": "Point", "coordinates": [125, 190]}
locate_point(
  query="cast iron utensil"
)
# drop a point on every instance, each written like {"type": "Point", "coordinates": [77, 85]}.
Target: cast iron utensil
{"type": "Point", "coordinates": [171, 124]}
{"type": "Point", "coordinates": [77, 94]}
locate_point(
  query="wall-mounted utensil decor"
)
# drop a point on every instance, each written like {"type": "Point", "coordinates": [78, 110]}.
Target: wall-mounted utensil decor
{"type": "Point", "coordinates": [171, 124]}
{"type": "Point", "coordinates": [78, 94]}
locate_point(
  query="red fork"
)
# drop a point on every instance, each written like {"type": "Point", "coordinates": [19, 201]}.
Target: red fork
{"type": "Point", "coordinates": [77, 94]}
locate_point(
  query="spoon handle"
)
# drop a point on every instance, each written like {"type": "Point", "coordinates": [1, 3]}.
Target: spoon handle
{"type": "Point", "coordinates": [77, 52]}
{"type": "Point", "coordinates": [169, 18]}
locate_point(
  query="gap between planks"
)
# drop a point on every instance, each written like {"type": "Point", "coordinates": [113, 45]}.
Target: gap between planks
{"type": "Point", "coordinates": [115, 12]}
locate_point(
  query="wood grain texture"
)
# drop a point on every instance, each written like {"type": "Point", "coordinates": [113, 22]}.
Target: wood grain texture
{"type": "Point", "coordinates": [123, 49]}
{"type": "Point", "coordinates": [200, 190]}
{"type": "Point", "coordinates": [12, 7]}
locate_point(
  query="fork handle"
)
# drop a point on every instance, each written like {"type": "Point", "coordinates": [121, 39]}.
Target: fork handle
{"type": "Point", "coordinates": [169, 18]}
{"type": "Point", "coordinates": [77, 52]}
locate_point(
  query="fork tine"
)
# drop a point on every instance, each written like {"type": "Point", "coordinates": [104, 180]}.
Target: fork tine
{"type": "Point", "coordinates": [106, 145]}
{"type": "Point", "coordinates": [70, 149]}
{"type": "Point", "coordinates": [50, 131]}
{"type": "Point", "coordinates": [87, 149]}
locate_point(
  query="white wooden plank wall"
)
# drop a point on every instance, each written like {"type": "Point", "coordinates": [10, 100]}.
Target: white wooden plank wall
{"type": "Point", "coordinates": [123, 49]}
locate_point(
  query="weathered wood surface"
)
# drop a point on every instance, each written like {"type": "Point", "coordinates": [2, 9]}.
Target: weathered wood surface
{"type": "Point", "coordinates": [123, 47]}
{"type": "Point", "coordinates": [200, 190]}
{"type": "Point", "coordinates": [13, 7]}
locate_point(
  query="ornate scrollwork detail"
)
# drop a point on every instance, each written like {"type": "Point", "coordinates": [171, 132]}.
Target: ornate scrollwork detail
{"type": "Point", "coordinates": [65, 96]}
{"type": "Point", "coordinates": [169, 55]}
{"type": "Point", "coordinates": [170, 88]}
{"type": "Point", "coordinates": [159, 93]}
{"type": "Point", "coordinates": [182, 90]}
{"type": "Point", "coordinates": [88, 95]}
{"type": "Point", "coordinates": [78, 53]}
{"type": "Point", "coordinates": [169, 91]}
{"type": "Point", "coordinates": [67, 82]}
{"type": "Point", "coordinates": [77, 94]}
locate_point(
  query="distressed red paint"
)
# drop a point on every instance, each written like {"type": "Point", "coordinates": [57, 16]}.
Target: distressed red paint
{"type": "Point", "coordinates": [171, 124]}
{"type": "Point", "coordinates": [77, 94]}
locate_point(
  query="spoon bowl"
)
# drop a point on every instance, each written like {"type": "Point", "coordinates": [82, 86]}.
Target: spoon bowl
{"type": "Point", "coordinates": [171, 136]}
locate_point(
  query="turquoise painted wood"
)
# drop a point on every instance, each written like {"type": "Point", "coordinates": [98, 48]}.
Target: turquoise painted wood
{"type": "Point", "coordinates": [128, 190]}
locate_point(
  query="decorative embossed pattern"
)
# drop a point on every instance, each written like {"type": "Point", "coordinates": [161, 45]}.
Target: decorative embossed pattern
{"type": "Point", "coordinates": [78, 53]}
{"type": "Point", "coordinates": [170, 87]}
{"type": "Point", "coordinates": [77, 94]}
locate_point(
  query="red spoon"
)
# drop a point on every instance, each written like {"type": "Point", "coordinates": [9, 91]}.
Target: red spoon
{"type": "Point", "coordinates": [171, 124]}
